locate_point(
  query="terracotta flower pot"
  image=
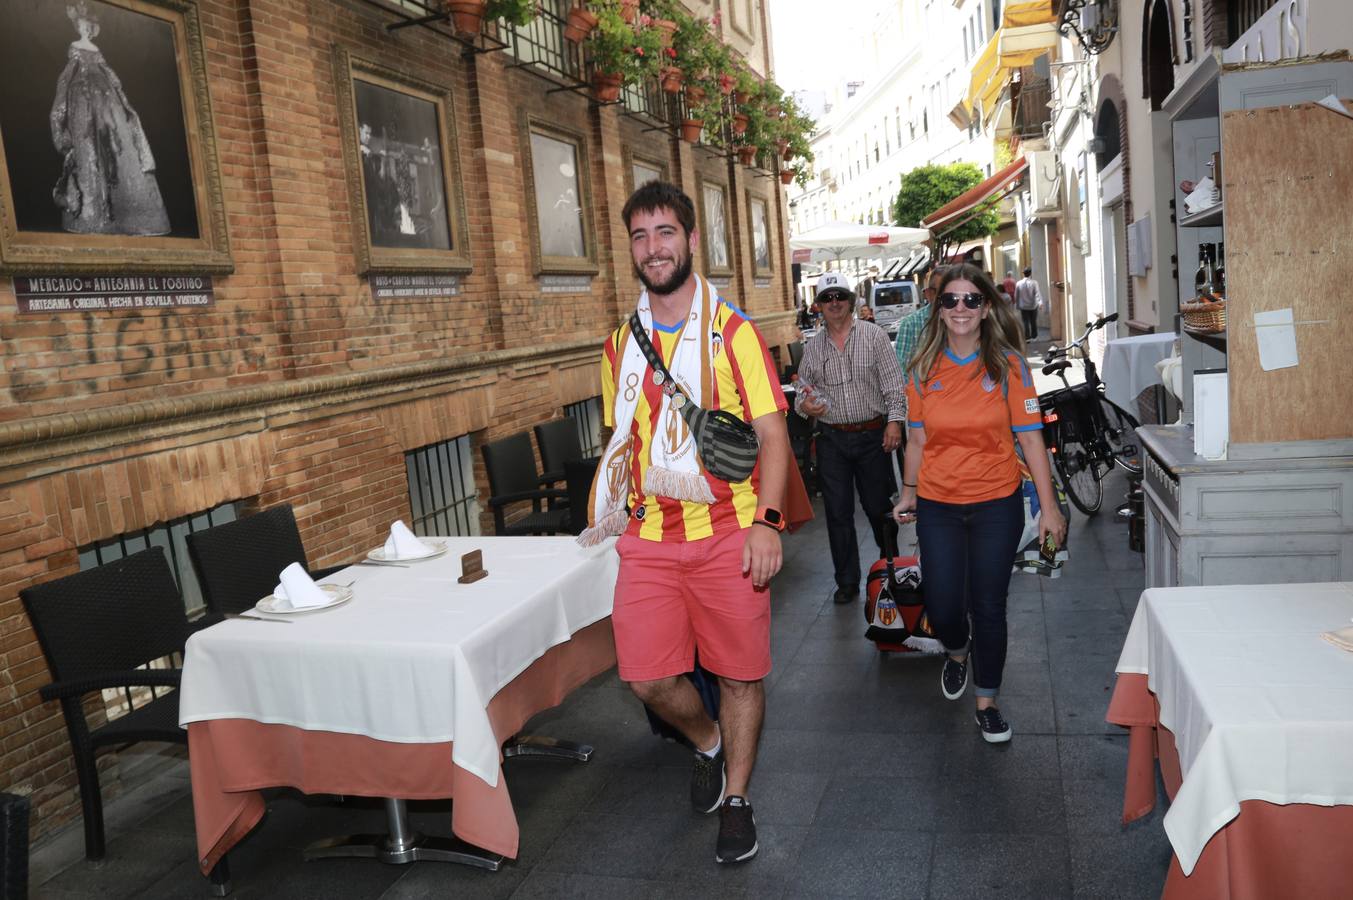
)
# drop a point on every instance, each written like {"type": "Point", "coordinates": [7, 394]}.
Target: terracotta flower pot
{"type": "Point", "coordinates": [773, 112]}
{"type": "Point", "coordinates": [747, 155]}
{"type": "Point", "coordinates": [606, 86]}
{"type": "Point", "coordinates": [786, 176]}
{"type": "Point", "coordinates": [690, 130]}
{"type": "Point", "coordinates": [741, 97]}
{"type": "Point", "coordinates": [666, 28]}
{"type": "Point", "coordinates": [782, 145]}
{"type": "Point", "coordinates": [629, 9]}
{"type": "Point", "coordinates": [726, 84]}
{"type": "Point", "coordinates": [672, 79]}
{"type": "Point", "coordinates": [581, 21]}
{"type": "Point", "coordinates": [467, 15]}
{"type": "Point", "coordinates": [695, 95]}
{"type": "Point", "coordinates": [740, 122]}
{"type": "Point", "coordinates": [787, 154]}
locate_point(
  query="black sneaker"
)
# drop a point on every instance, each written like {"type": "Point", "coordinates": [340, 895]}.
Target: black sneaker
{"type": "Point", "coordinates": [707, 782]}
{"type": "Point", "coordinates": [954, 677]}
{"type": "Point", "coordinates": [737, 832]}
{"type": "Point", "coordinates": [845, 595]}
{"type": "Point", "coordinates": [995, 730]}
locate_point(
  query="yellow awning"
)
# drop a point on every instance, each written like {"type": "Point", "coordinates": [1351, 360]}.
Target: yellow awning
{"type": "Point", "coordinates": [1028, 30]}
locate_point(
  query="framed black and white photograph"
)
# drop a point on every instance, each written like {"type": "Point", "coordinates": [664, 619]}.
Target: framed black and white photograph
{"type": "Point", "coordinates": [714, 228]}
{"type": "Point", "coordinates": [760, 224]}
{"type": "Point", "coordinates": [108, 159]}
{"type": "Point", "coordinates": [562, 237]}
{"type": "Point", "coordinates": [642, 169]}
{"type": "Point", "coordinates": [403, 174]}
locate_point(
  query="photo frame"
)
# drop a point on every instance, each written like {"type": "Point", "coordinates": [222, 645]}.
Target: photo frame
{"type": "Point", "coordinates": [402, 167]}
{"type": "Point", "coordinates": [559, 199]}
{"type": "Point", "coordinates": [127, 74]}
{"type": "Point", "coordinates": [758, 224]}
{"type": "Point", "coordinates": [715, 234]}
{"type": "Point", "coordinates": [638, 169]}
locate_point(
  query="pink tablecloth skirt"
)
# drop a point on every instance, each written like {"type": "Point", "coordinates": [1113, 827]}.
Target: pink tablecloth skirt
{"type": "Point", "coordinates": [231, 760]}
{"type": "Point", "coordinates": [1268, 850]}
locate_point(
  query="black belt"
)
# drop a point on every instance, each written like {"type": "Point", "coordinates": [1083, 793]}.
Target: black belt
{"type": "Point", "coordinates": [872, 425]}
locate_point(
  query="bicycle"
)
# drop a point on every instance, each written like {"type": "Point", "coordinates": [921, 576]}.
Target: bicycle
{"type": "Point", "coordinates": [1087, 433]}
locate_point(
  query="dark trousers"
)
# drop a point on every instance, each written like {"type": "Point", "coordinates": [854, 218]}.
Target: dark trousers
{"type": "Point", "coordinates": [972, 544]}
{"type": "Point", "coordinates": [1030, 317]}
{"type": "Point", "coordinates": [850, 461]}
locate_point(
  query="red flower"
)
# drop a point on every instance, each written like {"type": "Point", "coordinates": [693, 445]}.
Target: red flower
{"type": "Point", "coordinates": [718, 18]}
{"type": "Point", "coordinates": [645, 20]}
{"type": "Point", "coordinates": [671, 52]}
{"type": "Point", "coordinates": [638, 51]}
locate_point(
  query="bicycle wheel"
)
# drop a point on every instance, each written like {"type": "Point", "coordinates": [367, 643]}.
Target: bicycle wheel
{"type": "Point", "coordinates": [1075, 466]}
{"type": "Point", "coordinates": [1120, 433]}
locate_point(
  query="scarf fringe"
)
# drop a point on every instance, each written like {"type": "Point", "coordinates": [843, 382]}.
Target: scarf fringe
{"type": "Point", "coordinates": [610, 525]}
{"type": "Point", "coordinates": [677, 485]}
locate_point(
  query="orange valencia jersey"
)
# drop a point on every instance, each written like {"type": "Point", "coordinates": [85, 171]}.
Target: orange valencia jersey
{"type": "Point", "coordinates": [745, 384]}
{"type": "Point", "coordinates": [969, 454]}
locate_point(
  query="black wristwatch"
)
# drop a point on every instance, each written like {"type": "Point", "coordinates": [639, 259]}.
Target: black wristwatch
{"type": "Point", "coordinates": [771, 518]}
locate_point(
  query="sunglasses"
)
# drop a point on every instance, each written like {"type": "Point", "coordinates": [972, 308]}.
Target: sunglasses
{"type": "Point", "coordinates": [832, 297]}
{"type": "Point", "coordinates": [971, 301]}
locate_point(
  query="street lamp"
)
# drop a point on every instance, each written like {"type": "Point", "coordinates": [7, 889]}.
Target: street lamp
{"type": "Point", "coordinates": [1094, 22]}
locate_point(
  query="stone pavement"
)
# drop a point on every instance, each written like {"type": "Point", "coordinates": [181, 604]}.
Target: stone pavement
{"type": "Point", "coordinates": [869, 783]}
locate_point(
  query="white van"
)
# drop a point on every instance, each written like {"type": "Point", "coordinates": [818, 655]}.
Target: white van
{"type": "Point", "coordinates": [891, 300]}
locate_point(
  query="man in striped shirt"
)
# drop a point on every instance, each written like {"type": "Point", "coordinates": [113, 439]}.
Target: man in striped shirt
{"type": "Point", "coordinates": [851, 382]}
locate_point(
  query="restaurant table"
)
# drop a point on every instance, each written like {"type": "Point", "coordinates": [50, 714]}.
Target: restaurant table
{"type": "Point", "coordinates": [1130, 367]}
{"type": "Point", "coordinates": [1250, 714]}
{"type": "Point", "coordinates": [406, 692]}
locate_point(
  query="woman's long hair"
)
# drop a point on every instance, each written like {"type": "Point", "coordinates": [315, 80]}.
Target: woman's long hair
{"type": "Point", "coordinates": [1001, 333]}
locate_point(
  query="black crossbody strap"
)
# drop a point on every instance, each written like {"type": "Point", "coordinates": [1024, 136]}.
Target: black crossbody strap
{"type": "Point", "coordinates": [669, 384]}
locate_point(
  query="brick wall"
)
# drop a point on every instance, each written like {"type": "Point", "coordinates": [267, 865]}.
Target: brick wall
{"type": "Point", "coordinates": [297, 386]}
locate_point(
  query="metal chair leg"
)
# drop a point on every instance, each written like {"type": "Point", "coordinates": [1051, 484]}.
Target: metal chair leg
{"type": "Point", "coordinates": [553, 748]}
{"type": "Point", "coordinates": [402, 845]}
{"type": "Point", "coordinates": [220, 877]}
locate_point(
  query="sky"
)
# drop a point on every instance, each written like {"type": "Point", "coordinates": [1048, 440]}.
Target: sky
{"type": "Point", "coordinates": [810, 46]}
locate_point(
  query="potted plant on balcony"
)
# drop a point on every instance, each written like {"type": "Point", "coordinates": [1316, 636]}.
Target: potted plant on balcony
{"type": "Point", "coordinates": [620, 53]}
{"type": "Point", "coordinates": [467, 16]}
{"type": "Point", "coordinates": [580, 23]}
{"type": "Point", "coordinates": [514, 12]}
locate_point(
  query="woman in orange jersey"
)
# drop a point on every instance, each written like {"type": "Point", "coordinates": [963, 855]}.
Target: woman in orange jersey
{"type": "Point", "coordinates": [968, 391]}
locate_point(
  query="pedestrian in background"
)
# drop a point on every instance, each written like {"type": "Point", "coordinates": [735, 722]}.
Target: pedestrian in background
{"type": "Point", "coordinates": [910, 327]}
{"type": "Point", "coordinates": [1008, 286]}
{"type": "Point", "coordinates": [850, 381]}
{"type": "Point", "coordinates": [968, 389]}
{"type": "Point", "coordinates": [1029, 300]}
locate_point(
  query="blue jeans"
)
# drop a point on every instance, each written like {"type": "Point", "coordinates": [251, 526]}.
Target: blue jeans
{"type": "Point", "coordinates": [850, 461]}
{"type": "Point", "coordinates": [967, 551]}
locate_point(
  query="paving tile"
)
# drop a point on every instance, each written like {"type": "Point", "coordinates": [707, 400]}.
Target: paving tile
{"type": "Point", "coordinates": [884, 800]}
{"type": "Point", "coordinates": [862, 862]}
{"type": "Point", "coordinates": [1000, 865]}
{"type": "Point", "coordinates": [1126, 866]}
{"type": "Point", "coordinates": [623, 846]}
{"type": "Point", "coordinates": [134, 862]}
{"type": "Point", "coordinates": [1093, 757]}
{"type": "Point", "coordinates": [631, 791]}
{"type": "Point", "coordinates": [855, 753]}
{"type": "Point", "coordinates": [998, 803]}
{"type": "Point", "coordinates": [1025, 756]}
{"type": "Point", "coordinates": [690, 864]}
{"type": "Point", "coordinates": [553, 885]}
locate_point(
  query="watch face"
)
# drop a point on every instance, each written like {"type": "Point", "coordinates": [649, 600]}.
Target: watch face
{"type": "Point", "coordinates": [773, 516]}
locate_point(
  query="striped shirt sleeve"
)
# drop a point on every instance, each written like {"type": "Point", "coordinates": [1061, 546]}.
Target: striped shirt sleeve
{"type": "Point", "coordinates": [760, 385]}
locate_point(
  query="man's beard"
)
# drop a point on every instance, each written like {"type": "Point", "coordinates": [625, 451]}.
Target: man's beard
{"type": "Point", "coordinates": [681, 271]}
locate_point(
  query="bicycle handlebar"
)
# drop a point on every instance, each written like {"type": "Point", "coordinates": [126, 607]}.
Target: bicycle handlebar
{"type": "Point", "coordinates": [1090, 327]}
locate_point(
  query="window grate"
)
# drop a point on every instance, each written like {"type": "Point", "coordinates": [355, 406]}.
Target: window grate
{"type": "Point", "coordinates": [442, 494]}
{"type": "Point", "coordinates": [541, 43]}
{"type": "Point", "coordinates": [587, 413]}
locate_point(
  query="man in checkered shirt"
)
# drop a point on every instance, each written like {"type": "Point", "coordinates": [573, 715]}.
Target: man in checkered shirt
{"type": "Point", "coordinates": [850, 381]}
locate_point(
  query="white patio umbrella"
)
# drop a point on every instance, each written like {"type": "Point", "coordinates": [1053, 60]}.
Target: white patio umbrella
{"type": "Point", "coordinates": [846, 240]}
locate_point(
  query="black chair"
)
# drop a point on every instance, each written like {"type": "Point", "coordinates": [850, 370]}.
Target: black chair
{"type": "Point", "coordinates": [238, 563]}
{"type": "Point", "coordinates": [559, 445]}
{"type": "Point", "coordinates": [795, 359]}
{"type": "Point", "coordinates": [802, 432]}
{"type": "Point", "coordinates": [13, 847]}
{"type": "Point", "coordinates": [511, 466]}
{"type": "Point", "coordinates": [578, 476]}
{"type": "Point", "coordinates": [95, 628]}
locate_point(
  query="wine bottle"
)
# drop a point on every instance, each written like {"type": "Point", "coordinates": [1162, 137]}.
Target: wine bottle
{"type": "Point", "coordinates": [1201, 277]}
{"type": "Point", "coordinates": [1219, 273]}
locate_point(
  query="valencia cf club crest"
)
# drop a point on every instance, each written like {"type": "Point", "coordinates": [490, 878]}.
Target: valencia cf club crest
{"type": "Point", "coordinates": [987, 384]}
{"type": "Point", "coordinates": [715, 344]}
{"type": "Point", "coordinates": [639, 512]}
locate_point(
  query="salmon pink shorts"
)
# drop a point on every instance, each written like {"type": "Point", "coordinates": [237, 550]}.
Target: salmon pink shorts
{"type": "Point", "coordinates": [674, 596]}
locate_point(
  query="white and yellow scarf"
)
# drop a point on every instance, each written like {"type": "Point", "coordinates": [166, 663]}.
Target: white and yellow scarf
{"type": "Point", "coordinates": [674, 469]}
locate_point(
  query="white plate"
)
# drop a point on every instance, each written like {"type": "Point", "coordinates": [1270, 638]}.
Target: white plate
{"type": "Point", "coordinates": [378, 555]}
{"type": "Point", "coordinates": [337, 595]}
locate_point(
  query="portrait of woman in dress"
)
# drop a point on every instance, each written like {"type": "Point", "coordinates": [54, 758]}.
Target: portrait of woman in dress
{"type": "Point", "coordinates": [107, 183]}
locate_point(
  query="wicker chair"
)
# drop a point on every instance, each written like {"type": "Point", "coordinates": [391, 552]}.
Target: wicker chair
{"type": "Point", "coordinates": [578, 475]}
{"type": "Point", "coordinates": [559, 445]}
{"type": "Point", "coordinates": [238, 563]}
{"type": "Point", "coordinates": [95, 628]}
{"type": "Point", "coordinates": [511, 467]}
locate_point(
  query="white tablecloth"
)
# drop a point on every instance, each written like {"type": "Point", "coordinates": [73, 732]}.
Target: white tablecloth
{"type": "Point", "coordinates": [1260, 706]}
{"type": "Point", "coordinates": [414, 657]}
{"type": "Point", "coordinates": [1130, 366]}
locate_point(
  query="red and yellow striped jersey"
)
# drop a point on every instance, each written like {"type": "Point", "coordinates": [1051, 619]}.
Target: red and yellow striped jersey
{"type": "Point", "coordinates": [744, 383]}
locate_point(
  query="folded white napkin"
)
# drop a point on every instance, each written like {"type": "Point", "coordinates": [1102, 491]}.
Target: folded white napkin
{"type": "Point", "coordinates": [404, 543]}
{"type": "Point", "coordinates": [1204, 195]}
{"type": "Point", "coordinates": [1343, 638]}
{"type": "Point", "coordinates": [298, 590]}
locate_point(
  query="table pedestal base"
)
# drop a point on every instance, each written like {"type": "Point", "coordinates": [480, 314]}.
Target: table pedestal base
{"type": "Point", "coordinates": [403, 845]}
{"type": "Point", "coordinates": [533, 745]}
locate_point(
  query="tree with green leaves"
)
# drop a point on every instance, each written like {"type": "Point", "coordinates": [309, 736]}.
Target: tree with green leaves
{"type": "Point", "coordinates": [927, 188]}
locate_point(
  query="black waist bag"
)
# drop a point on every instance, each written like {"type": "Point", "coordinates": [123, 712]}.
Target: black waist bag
{"type": "Point", "coordinates": [727, 445]}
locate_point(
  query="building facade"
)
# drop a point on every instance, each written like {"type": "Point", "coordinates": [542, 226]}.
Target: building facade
{"type": "Point", "coordinates": [341, 348]}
